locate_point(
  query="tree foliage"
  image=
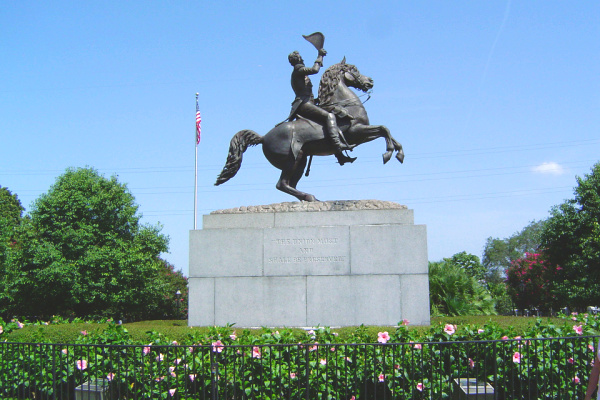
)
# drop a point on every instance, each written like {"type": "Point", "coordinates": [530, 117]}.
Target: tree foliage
{"type": "Point", "coordinates": [11, 212]}
{"type": "Point", "coordinates": [85, 253]}
{"type": "Point", "coordinates": [530, 281]}
{"type": "Point", "coordinates": [571, 240]}
{"type": "Point", "coordinates": [470, 263]}
{"type": "Point", "coordinates": [499, 254]}
{"type": "Point", "coordinates": [11, 209]}
{"type": "Point", "coordinates": [454, 290]}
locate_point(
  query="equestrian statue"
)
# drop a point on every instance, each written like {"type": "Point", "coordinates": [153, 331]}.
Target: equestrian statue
{"type": "Point", "coordinates": [335, 122]}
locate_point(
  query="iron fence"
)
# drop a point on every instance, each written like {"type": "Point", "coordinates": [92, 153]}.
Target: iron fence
{"type": "Point", "coordinates": [554, 368]}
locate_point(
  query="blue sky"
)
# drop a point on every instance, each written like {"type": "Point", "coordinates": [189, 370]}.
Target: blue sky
{"type": "Point", "coordinates": [496, 103]}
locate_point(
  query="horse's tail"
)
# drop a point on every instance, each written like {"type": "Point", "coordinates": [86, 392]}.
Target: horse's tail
{"type": "Point", "coordinates": [238, 145]}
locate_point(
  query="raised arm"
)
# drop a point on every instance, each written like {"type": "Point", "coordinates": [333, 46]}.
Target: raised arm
{"type": "Point", "coordinates": [316, 67]}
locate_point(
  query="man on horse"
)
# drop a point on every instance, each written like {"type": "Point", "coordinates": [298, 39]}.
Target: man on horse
{"type": "Point", "coordinates": [304, 104]}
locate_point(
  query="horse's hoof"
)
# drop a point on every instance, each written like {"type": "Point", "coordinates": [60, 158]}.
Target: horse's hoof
{"type": "Point", "coordinates": [310, 197]}
{"type": "Point", "coordinates": [400, 156]}
{"type": "Point", "coordinates": [387, 156]}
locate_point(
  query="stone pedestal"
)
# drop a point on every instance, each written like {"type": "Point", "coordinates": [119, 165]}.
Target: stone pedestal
{"type": "Point", "coordinates": [306, 264]}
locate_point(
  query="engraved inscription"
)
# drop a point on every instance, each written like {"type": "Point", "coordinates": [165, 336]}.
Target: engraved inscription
{"type": "Point", "coordinates": [306, 250]}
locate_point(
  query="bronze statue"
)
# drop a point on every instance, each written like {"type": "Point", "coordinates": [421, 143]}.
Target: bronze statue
{"type": "Point", "coordinates": [289, 144]}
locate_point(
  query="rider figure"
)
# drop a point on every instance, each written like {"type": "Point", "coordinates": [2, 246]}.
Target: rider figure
{"type": "Point", "coordinates": [304, 104]}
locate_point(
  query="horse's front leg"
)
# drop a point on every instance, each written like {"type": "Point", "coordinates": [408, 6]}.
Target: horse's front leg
{"type": "Point", "coordinates": [367, 133]}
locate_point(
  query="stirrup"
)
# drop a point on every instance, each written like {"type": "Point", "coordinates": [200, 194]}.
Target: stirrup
{"type": "Point", "coordinates": [346, 146]}
{"type": "Point", "coordinates": [343, 159]}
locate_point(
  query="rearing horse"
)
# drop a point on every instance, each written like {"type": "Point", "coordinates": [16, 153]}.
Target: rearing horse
{"type": "Point", "coordinates": [288, 145]}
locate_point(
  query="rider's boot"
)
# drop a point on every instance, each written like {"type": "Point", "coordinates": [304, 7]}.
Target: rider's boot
{"type": "Point", "coordinates": [335, 134]}
{"type": "Point", "coordinates": [342, 158]}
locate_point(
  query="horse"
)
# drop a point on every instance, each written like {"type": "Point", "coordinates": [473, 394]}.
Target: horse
{"type": "Point", "coordinates": [289, 144]}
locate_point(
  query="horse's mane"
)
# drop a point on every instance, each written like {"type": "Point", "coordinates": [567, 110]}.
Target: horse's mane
{"type": "Point", "coordinates": [331, 78]}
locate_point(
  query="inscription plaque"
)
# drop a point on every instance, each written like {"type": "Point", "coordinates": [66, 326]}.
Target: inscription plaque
{"type": "Point", "coordinates": [307, 251]}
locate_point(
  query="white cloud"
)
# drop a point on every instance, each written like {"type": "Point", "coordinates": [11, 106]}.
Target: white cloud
{"type": "Point", "coordinates": [549, 168]}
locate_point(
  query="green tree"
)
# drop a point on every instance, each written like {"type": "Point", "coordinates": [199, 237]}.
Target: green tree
{"type": "Point", "coordinates": [86, 253]}
{"type": "Point", "coordinates": [571, 242]}
{"type": "Point", "coordinates": [175, 298]}
{"type": "Point", "coordinates": [11, 212]}
{"type": "Point", "coordinates": [499, 254]}
{"type": "Point", "coordinates": [470, 263]}
{"type": "Point", "coordinates": [453, 290]}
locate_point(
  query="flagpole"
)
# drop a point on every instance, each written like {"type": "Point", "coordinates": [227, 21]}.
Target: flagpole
{"type": "Point", "coordinates": [196, 167]}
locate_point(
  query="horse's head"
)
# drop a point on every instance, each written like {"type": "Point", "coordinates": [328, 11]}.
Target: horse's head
{"type": "Point", "coordinates": [342, 72]}
{"type": "Point", "coordinates": [353, 78]}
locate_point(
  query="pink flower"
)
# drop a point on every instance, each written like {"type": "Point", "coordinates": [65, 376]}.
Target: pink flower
{"type": "Point", "coordinates": [172, 392]}
{"type": "Point", "coordinates": [420, 386]}
{"type": "Point", "coordinates": [383, 337]}
{"type": "Point", "coordinates": [576, 379]}
{"type": "Point", "coordinates": [480, 331]}
{"type": "Point", "coordinates": [175, 343]}
{"type": "Point", "coordinates": [417, 346]}
{"type": "Point", "coordinates": [84, 333]}
{"type": "Point", "coordinates": [405, 322]}
{"type": "Point", "coordinates": [217, 346]}
{"type": "Point", "coordinates": [504, 337]}
{"type": "Point", "coordinates": [192, 377]}
{"type": "Point", "coordinates": [578, 329]}
{"type": "Point", "coordinates": [232, 336]}
{"type": "Point", "coordinates": [292, 375]}
{"type": "Point", "coordinates": [574, 318]}
{"type": "Point", "coordinates": [64, 351]}
{"type": "Point", "coordinates": [20, 325]}
{"type": "Point", "coordinates": [450, 329]}
{"type": "Point", "coordinates": [323, 361]}
{"type": "Point", "coordinates": [1, 329]}
{"type": "Point", "coordinates": [570, 360]}
{"type": "Point", "coordinates": [517, 357]}
{"type": "Point", "coordinates": [591, 347]}
{"type": "Point", "coordinates": [81, 364]}
{"type": "Point", "coordinates": [471, 363]}
{"type": "Point", "coordinates": [110, 376]}
{"type": "Point", "coordinates": [146, 350]}
{"type": "Point", "coordinates": [256, 352]}
{"type": "Point", "coordinates": [177, 361]}
{"type": "Point", "coordinates": [191, 349]}
{"type": "Point", "coordinates": [312, 348]}
{"type": "Point", "coordinates": [353, 398]}
{"type": "Point", "coordinates": [160, 357]}
{"type": "Point", "coordinates": [381, 377]}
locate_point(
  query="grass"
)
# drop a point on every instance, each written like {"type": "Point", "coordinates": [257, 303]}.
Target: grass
{"type": "Point", "coordinates": [179, 331]}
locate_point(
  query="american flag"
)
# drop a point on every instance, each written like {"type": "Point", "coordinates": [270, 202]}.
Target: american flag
{"type": "Point", "coordinates": [198, 121]}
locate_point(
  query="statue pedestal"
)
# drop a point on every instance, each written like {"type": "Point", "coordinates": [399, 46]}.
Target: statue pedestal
{"type": "Point", "coordinates": [304, 264]}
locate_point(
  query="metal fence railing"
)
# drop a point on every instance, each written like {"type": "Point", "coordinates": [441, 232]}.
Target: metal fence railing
{"type": "Point", "coordinates": [549, 368]}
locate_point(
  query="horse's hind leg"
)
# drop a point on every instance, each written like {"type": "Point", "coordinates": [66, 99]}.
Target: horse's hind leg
{"type": "Point", "coordinates": [298, 171]}
{"type": "Point", "coordinates": [290, 175]}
